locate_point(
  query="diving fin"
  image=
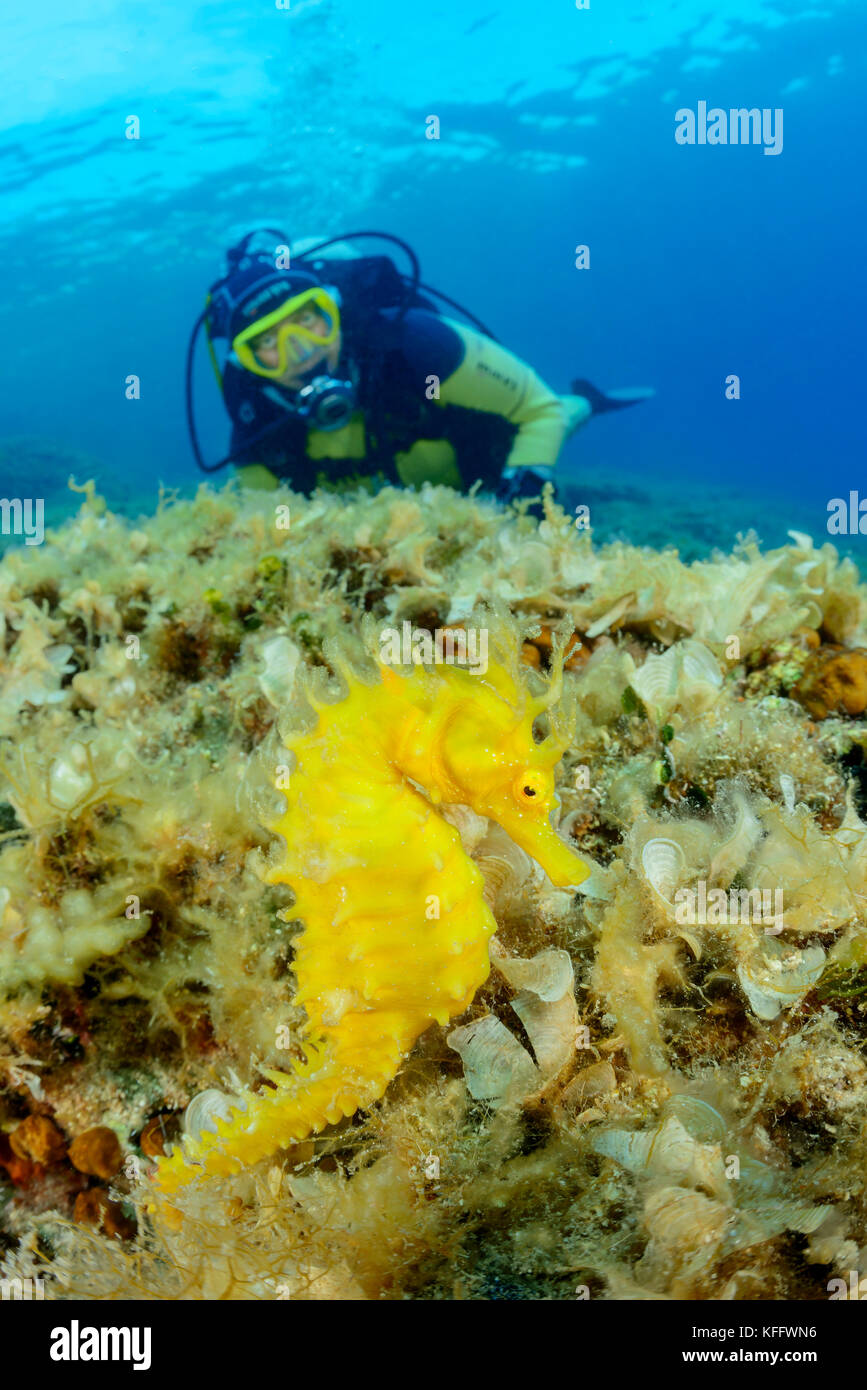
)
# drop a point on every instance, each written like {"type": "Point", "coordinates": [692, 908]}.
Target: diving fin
{"type": "Point", "coordinates": [600, 401]}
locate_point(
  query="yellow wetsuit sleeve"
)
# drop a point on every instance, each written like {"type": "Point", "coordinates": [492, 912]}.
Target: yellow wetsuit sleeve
{"type": "Point", "coordinates": [256, 475]}
{"type": "Point", "coordinates": [492, 379]}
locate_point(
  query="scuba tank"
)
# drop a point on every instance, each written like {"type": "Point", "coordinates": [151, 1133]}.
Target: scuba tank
{"type": "Point", "coordinates": [366, 283]}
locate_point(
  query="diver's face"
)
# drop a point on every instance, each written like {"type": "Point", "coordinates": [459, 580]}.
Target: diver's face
{"type": "Point", "coordinates": [267, 348]}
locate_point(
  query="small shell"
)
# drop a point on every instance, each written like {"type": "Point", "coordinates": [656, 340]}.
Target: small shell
{"type": "Point", "coordinates": [673, 1150]}
{"type": "Point", "coordinates": [630, 1149]}
{"type": "Point", "coordinates": [471, 827]}
{"type": "Point", "coordinates": [787, 787]}
{"type": "Point", "coordinates": [496, 1066]}
{"type": "Point", "coordinates": [70, 779]}
{"type": "Point", "coordinates": [697, 1117]}
{"type": "Point", "coordinates": [545, 1005]}
{"type": "Point", "coordinates": [503, 882]}
{"type": "Point", "coordinates": [204, 1109]}
{"type": "Point", "coordinates": [663, 864]}
{"type": "Point", "coordinates": [656, 682]}
{"type": "Point", "coordinates": [746, 832]}
{"type": "Point", "coordinates": [684, 1222]}
{"type": "Point", "coordinates": [551, 1028]}
{"type": "Point", "coordinates": [701, 673]}
{"type": "Point", "coordinates": [775, 976]}
{"type": "Point", "coordinates": [669, 1151]}
{"type": "Point", "coordinates": [692, 941]}
{"type": "Point", "coordinates": [506, 869]}
{"type": "Point", "coordinates": [281, 657]}
{"type": "Point", "coordinates": [686, 675]}
{"type": "Point", "coordinates": [599, 883]}
{"type": "Point", "coordinates": [555, 905]}
{"type": "Point", "coordinates": [769, 1217]}
{"type": "Point", "coordinates": [758, 1179]}
{"type": "Point", "coordinates": [549, 974]}
{"type": "Point", "coordinates": [598, 1079]}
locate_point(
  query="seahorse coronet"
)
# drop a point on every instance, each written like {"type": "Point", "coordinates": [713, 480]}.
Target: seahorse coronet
{"type": "Point", "coordinates": [396, 927]}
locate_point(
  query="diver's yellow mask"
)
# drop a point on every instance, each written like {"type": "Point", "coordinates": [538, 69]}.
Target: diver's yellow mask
{"type": "Point", "coordinates": [290, 335]}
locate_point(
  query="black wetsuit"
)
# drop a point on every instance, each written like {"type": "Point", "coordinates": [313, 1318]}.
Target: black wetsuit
{"type": "Point", "coordinates": [457, 403]}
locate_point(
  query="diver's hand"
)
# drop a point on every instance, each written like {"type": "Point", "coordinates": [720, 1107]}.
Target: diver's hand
{"type": "Point", "coordinates": [524, 481]}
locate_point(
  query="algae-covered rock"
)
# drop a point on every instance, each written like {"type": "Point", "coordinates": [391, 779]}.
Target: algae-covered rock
{"type": "Point", "coordinates": [661, 1078]}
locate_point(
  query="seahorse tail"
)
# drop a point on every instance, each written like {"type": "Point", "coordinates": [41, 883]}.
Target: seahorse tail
{"type": "Point", "coordinates": [344, 1072]}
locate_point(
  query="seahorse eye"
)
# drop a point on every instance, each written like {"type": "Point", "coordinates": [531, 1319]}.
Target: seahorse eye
{"type": "Point", "coordinates": [529, 786]}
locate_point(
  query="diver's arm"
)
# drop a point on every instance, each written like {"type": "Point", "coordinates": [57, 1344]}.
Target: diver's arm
{"type": "Point", "coordinates": [490, 378]}
{"type": "Point", "coordinates": [254, 448]}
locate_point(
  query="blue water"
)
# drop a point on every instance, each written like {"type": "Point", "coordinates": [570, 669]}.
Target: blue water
{"type": "Point", "coordinates": [557, 128]}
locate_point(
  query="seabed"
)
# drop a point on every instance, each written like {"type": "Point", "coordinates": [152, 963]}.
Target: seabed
{"type": "Point", "coordinates": [656, 1108]}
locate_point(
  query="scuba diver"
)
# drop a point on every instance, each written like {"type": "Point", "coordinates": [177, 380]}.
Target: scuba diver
{"type": "Point", "coordinates": [340, 368]}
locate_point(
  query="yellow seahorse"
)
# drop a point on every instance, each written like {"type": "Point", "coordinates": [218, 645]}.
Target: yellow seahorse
{"type": "Point", "coordinates": [396, 927]}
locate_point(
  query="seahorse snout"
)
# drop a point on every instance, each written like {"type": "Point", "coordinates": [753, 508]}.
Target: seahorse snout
{"type": "Point", "coordinates": [563, 866]}
{"type": "Point", "coordinates": [532, 831]}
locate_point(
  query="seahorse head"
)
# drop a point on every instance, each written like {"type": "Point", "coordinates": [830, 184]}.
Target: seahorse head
{"type": "Point", "coordinates": [490, 759]}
